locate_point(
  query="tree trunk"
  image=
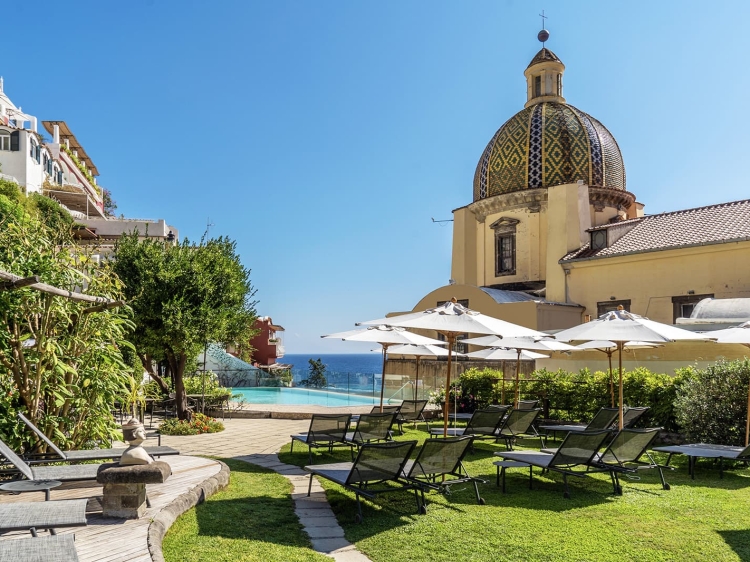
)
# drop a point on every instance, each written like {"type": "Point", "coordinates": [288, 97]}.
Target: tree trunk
{"type": "Point", "coordinates": [148, 365]}
{"type": "Point", "coordinates": [177, 365]}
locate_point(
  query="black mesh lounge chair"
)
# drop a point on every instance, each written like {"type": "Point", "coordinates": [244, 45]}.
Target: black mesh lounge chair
{"type": "Point", "coordinates": [527, 404]}
{"type": "Point", "coordinates": [327, 431]}
{"type": "Point", "coordinates": [484, 424]}
{"type": "Point", "coordinates": [372, 428]}
{"type": "Point", "coordinates": [42, 549]}
{"type": "Point", "coordinates": [437, 460]}
{"type": "Point", "coordinates": [31, 516]}
{"type": "Point", "coordinates": [376, 470]}
{"type": "Point", "coordinates": [603, 419]}
{"type": "Point", "coordinates": [576, 450]}
{"type": "Point", "coordinates": [55, 454]}
{"type": "Point", "coordinates": [411, 411]}
{"type": "Point", "coordinates": [694, 451]}
{"type": "Point", "coordinates": [70, 473]}
{"type": "Point", "coordinates": [519, 425]}
{"type": "Point", "coordinates": [624, 453]}
{"type": "Point", "coordinates": [630, 417]}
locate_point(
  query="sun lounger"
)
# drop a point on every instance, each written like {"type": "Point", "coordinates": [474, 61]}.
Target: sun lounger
{"type": "Point", "coordinates": [603, 419]}
{"type": "Point", "coordinates": [519, 425]}
{"type": "Point", "coordinates": [372, 428]}
{"type": "Point", "coordinates": [70, 473]}
{"type": "Point", "coordinates": [623, 456]}
{"type": "Point", "coordinates": [439, 465]}
{"type": "Point", "coordinates": [694, 451]}
{"type": "Point", "coordinates": [31, 516]}
{"type": "Point", "coordinates": [55, 454]}
{"type": "Point", "coordinates": [376, 470]}
{"type": "Point", "coordinates": [326, 431]}
{"type": "Point", "coordinates": [484, 424]}
{"type": "Point", "coordinates": [576, 450]}
{"type": "Point", "coordinates": [40, 549]}
{"type": "Point", "coordinates": [411, 411]}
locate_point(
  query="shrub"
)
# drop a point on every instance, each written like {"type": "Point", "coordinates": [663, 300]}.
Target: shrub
{"type": "Point", "coordinates": [196, 426]}
{"type": "Point", "coordinates": [711, 403]}
{"type": "Point", "coordinates": [578, 396]}
{"type": "Point", "coordinates": [478, 388]}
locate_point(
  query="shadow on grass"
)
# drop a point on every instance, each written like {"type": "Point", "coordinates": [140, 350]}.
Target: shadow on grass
{"type": "Point", "coordinates": [739, 541]}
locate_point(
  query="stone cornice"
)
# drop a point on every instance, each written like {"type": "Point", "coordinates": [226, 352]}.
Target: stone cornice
{"type": "Point", "coordinates": [533, 199]}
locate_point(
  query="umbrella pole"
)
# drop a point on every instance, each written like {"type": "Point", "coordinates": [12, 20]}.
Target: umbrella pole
{"type": "Point", "coordinates": [619, 353]}
{"type": "Point", "coordinates": [446, 406]}
{"type": "Point", "coordinates": [518, 378]}
{"type": "Point", "coordinates": [416, 379]}
{"type": "Point", "coordinates": [611, 379]}
{"type": "Point", "coordinates": [382, 377]}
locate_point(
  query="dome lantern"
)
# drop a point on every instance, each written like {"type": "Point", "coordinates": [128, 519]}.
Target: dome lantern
{"type": "Point", "coordinates": [544, 78]}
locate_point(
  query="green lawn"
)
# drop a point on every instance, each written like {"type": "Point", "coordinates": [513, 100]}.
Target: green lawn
{"type": "Point", "coordinates": [704, 519]}
{"type": "Point", "coordinates": [252, 519]}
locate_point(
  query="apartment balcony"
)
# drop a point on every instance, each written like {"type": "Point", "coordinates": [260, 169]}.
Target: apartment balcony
{"type": "Point", "coordinates": [279, 350]}
{"type": "Point", "coordinates": [75, 197]}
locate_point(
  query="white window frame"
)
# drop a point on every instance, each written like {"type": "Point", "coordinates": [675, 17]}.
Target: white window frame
{"type": "Point", "coordinates": [4, 140]}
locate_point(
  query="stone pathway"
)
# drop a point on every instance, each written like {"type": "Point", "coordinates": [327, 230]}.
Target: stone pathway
{"type": "Point", "coordinates": [257, 441]}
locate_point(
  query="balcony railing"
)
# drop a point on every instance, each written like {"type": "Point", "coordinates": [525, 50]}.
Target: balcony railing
{"type": "Point", "coordinates": [279, 350]}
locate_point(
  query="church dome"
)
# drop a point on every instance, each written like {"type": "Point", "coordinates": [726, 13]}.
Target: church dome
{"type": "Point", "coordinates": [548, 142]}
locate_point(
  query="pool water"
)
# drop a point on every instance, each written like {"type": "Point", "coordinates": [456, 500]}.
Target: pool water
{"type": "Point", "coordinates": [263, 395]}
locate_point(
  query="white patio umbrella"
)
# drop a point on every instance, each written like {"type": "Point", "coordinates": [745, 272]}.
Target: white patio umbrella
{"type": "Point", "coordinates": [420, 351]}
{"type": "Point", "coordinates": [385, 336]}
{"type": "Point", "coordinates": [620, 327]}
{"type": "Point", "coordinates": [452, 320]}
{"type": "Point", "coordinates": [609, 347]}
{"type": "Point", "coordinates": [739, 335]}
{"type": "Point", "coordinates": [519, 345]}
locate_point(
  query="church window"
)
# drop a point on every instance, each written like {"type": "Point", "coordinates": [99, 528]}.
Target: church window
{"type": "Point", "coordinates": [4, 140]}
{"type": "Point", "coordinates": [505, 246]}
{"type": "Point", "coordinates": [559, 84]}
{"type": "Point", "coordinates": [607, 306]}
{"type": "Point", "coordinates": [537, 86]}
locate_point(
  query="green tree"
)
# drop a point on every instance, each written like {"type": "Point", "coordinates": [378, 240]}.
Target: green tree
{"type": "Point", "coordinates": [316, 374]}
{"type": "Point", "coordinates": [59, 364]}
{"type": "Point", "coordinates": [184, 295]}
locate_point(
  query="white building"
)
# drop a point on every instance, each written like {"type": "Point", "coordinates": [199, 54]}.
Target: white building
{"type": "Point", "coordinates": [62, 170]}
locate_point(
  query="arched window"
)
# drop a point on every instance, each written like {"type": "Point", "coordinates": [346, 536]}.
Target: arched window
{"type": "Point", "coordinates": [4, 140]}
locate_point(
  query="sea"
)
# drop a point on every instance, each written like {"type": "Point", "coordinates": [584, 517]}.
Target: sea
{"type": "Point", "coordinates": [353, 363]}
{"type": "Point", "coordinates": [353, 372]}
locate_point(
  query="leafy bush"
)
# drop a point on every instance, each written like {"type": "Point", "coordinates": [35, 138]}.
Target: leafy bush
{"type": "Point", "coordinates": [578, 396]}
{"type": "Point", "coordinates": [711, 403]}
{"type": "Point", "coordinates": [197, 425]}
{"type": "Point", "coordinates": [479, 388]}
{"type": "Point", "coordinates": [194, 384]}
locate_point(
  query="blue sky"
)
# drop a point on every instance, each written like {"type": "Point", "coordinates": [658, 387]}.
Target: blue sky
{"type": "Point", "coordinates": [324, 136]}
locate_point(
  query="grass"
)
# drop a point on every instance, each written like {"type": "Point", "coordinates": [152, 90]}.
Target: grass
{"type": "Point", "coordinates": [252, 519]}
{"type": "Point", "coordinates": [705, 518]}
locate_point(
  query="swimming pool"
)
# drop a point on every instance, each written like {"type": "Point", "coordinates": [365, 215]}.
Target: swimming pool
{"type": "Point", "coordinates": [268, 395]}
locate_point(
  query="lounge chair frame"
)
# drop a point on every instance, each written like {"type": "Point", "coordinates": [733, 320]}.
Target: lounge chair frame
{"type": "Point", "coordinates": [326, 431]}
{"type": "Point", "coordinates": [519, 424]}
{"type": "Point", "coordinates": [437, 460]}
{"type": "Point", "coordinates": [576, 450]}
{"type": "Point", "coordinates": [57, 455]}
{"type": "Point", "coordinates": [413, 412]}
{"type": "Point", "coordinates": [32, 516]}
{"type": "Point", "coordinates": [376, 470]}
{"type": "Point", "coordinates": [60, 548]}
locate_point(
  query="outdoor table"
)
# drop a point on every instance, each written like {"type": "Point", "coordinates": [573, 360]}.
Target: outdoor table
{"type": "Point", "coordinates": [702, 450]}
{"type": "Point", "coordinates": [19, 486]}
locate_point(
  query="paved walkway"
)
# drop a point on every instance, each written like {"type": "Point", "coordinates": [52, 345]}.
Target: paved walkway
{"type": "Point", "coordinates": [257, 441]}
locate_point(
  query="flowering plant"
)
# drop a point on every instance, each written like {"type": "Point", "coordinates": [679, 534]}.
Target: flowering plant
{"type": "Point", "coordinates": [199, 424]}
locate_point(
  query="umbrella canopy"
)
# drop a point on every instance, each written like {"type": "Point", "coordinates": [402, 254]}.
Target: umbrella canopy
{"type": "Point", "coordinates": [502, 354]}
{"type": "Point", "coordinates": [609, 347]}
{"type": "Point", "coordinates": [519, 344]}
{"type": "Point", "coordinates": [620, 326]}
{"type": "Point", "coordinates": [385, 336]}
{"type": "Point", "coordinates": [739, 335]}
{"type": "Point", "coordinates": [452, 319]}
{"type": "Point", "coordinates": [420, 351]}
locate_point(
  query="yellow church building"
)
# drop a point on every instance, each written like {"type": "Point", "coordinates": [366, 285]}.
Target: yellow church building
{"type": "Point", "coordinates": [552, 237]}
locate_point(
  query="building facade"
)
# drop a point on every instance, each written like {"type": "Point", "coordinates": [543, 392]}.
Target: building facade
{"type": "Point", "coordinates": [553, 237]}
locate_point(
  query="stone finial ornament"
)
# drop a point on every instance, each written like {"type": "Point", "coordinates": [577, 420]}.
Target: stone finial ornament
{"type": "Point", "coordinates": [135, 435]}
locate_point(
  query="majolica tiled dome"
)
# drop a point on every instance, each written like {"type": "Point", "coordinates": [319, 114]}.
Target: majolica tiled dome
{"type": "Point", "coordinates": [546, 144]}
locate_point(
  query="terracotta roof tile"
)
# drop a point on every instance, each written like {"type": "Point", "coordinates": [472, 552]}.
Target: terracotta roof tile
{"type": "Point", "coordinates": [690, 227]}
